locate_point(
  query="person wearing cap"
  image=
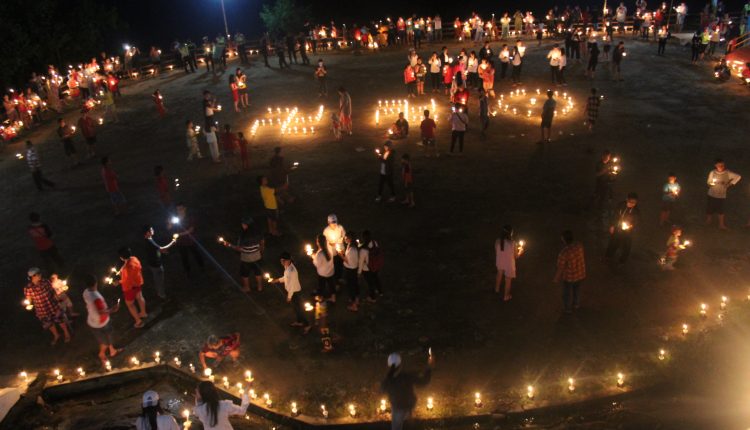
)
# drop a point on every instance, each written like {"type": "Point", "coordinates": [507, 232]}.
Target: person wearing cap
{"type": "Point", "coordinates": [293, 290]}
{"type": "Point", "coordinates": [47, 309]}
{"type": "Point", "coordinates": [323, 260]}
{"type": "Point", "coordinates": [399, 387]}
{"type": "Point", "coordinates": [386, 157]}
{"type": "Point", "coordinates": [88, 130]}
{"type": "Point", "coordinates": [154, 261]}
{"type": "Point", "coordinates": [218, 348]}
{"type": "Point", "coordinates": [334, 234]}
{"type": "Point", "coordinates": [153, 417]}
{"type": "Point", "coordinates": [214, 413]}
{"type": "Point", "coordinates": [131, 281]}
{"type": "Point", "coordinates": [98, 318]}
{"type": "Point", "coordinates": [250, 245]}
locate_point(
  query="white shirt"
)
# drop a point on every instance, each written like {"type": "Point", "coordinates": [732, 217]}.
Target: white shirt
{"type": "Point", "coordinates": [459, 121]}
{"type": "Point", "coordinates": [473, 65]}
{"type": "Point", "coordinates": [554, 57]}
{"type": "Point", "coordinates": [291, 281]}
{"type": "Point", "coordinates": [351, 257]}
{"type": "Point", "coordinates": [322, 265]}
{"type": "Point", "coordinates": [364, 257]}
{"type": "Point", "coordinates": [438, 23]}
{"type": "Point", "coordinates": [210, 136]}
{"type": "Point", "coordinates": [226, 408]}
{"type": "Point", "coordinates": [504, 55]}
{"type": "Point", "coordinates": [435, 65]}
{"type": "Point", "coordinates": [94, 319]}
{"type": "Point", "coordinates": [562, 61]}
{"type": "Point", "coordinates": [163, 422]}
{"type": "Point", "coordinates": [334, 235]}
{"type": "Point", "coordinates": [718, 182]}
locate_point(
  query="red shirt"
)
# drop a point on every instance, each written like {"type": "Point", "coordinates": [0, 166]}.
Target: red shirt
{"type": "Point", "coordinates": [229, 141]}
{"type": "Point", "coordinates": [110, 180]}
{"type": "Point", "coordinates": [112, 83]}
{"type": "Point", "coordinates": [461, 96]}
{"type": "Point", "coordinates": [428, 128]}
{"type": "Point", "coordinates": [409, 75]}
{"type": "Point", "coordinates": [40, 234]}
{"type": "Point", "coordinates": [87, 126]}
{"type": "Point", "coordinates": [162, 187]}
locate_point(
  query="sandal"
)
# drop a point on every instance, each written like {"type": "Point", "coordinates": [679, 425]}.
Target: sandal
{"type": "Point", "coordinates": [139, 324]}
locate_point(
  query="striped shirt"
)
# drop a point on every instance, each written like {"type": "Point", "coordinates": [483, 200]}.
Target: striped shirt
{"type": "Point", "coordinates": [32, 159]}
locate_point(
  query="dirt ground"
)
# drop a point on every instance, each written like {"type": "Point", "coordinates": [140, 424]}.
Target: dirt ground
{"type": "Point", "coordinates": [667, 115]}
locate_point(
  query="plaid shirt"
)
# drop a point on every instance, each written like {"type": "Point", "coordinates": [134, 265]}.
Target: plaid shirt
{"type": "Point", "coordinates": [42, 296]}
{"type": "Point", "coordinates": [571, 266]}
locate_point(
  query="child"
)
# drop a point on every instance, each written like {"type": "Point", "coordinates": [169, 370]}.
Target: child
{"type": "Point", "coordinates": [336, 126]}
{"type": "Point", "coordinates": [213, 144]}
{"type": "Point", "coordinates": [408, 179]}
{"type": "Point", "coordinates": [159, 101]}
{"type": "Point", "coordinates": [670, 192]}
{"type": "Point", "coordinates": [539, 33]}
{"type": "Point", "coordinates": [421, 72]}
{"type": "Point", "coordinates": [268, 195]}
{"type": "Point", "coordinates": [162, 187]}
{"type": "Point", "coordinates": [61, 288]}
{"type": "Point", "coordinates": [400, 128]}
{"type": "Point", "coordinates": [243, 150]}
{"type": "Point", "coordinates": [674, 246]}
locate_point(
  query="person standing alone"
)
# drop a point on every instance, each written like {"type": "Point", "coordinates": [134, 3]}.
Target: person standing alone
{"type": "Point", "coordinates": [32, 159]}
{"type": "Point", "coordinates": [719, 181]}
{"type": "Point", "coordinates": [571, 271]}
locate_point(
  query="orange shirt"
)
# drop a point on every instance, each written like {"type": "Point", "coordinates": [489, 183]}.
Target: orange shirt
{"type": "Point", "coordinates": [131, 275]}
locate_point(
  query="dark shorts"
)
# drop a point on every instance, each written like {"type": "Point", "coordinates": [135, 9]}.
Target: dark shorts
{"type": "Point", "coordinates": [103, 335]}
{"type": "Point", "coordinates": [90, 140]}
{"type": "Point", "coordinates": [272, 214]}
{"type": "Point", "coordinates": [547, 122]}
{"type": "Point", "coordinates": [714, 206]}
{"type": "Point", "coordinates": [246, 268]}
{"type": "Point", "coordinates": [69, 148]}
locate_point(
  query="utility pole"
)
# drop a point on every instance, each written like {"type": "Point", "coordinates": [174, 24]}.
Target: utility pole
{"type": "Point", "coordinates": [224, 13]}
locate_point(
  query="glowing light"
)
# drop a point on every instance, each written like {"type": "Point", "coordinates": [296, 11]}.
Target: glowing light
{"type": "Point", "coordinates": [430, 404]}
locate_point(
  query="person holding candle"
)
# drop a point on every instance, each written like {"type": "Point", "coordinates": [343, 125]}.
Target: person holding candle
{"type": "Point", "coordinates": [154, 259]}
{"type": "Point", "coordinates": [219, 348]}
{"type": "Point", "coordinates": [191, 136]}
{"type": "Point", "coordinates": [66, 135]}
{"type": "Point", "coordinates": [400, 128]}
{"type": "Point", "coordinates": [153, 417]}
{"type": "Point", "coordinates": [335, 234]}
{"type": "Point", "coordinates": [278, 177]}
{"type": "Point", "coordinates": [159, 103]}
{"type": "Point", "coordinates": [571, 271]}
{"type": "Point", "coordinates": [350, 258]}
{"type": "Point", "coordinates": [131, 281]}
{"type": "Point", "coordinates": [214, 413]}
{"type": "Point", "coordinates": [410, 79]}
{"type": "Point", "coordinates": [593, 52]}
{"type": "Point", "coordinates": [385, 157]}
{"type": "Point", "coordinates": [293, 291]}
{"type": "Point", "coordinates": [271, 205]}
{"type": "Point", "coordinates": [427, 128]}
{"type": "Point", "coordinates": [624, 222]}
{"type": "Point", "coordinates": [435, 68]}
{"type": "Point", "coordinates": [617, 57]}
{"type": "Point", "coordinates": [399, 385]}
{"type": "Point", "coordinates": [548, 112]}
{"type": "Point", "coordinates": [183, 225]}
{"type": "Point", "coordinates": [345, 110]}
{"type": "Point", "coordinates": [670, 193]}
{"type": "Point", "coordinates": [88, 130]}
{"type": "Point", "coordinates": [516, 60]}
{"type": "Point", "coordinates": [674, 246]}
{"type": "Point", "coordinates": [606, 173]}
{"type": "Point", "coordinates": [554, 63]}
{"type": "Point", "coordinates": [39, 293]}
{"type": "Point", "coordinates": [504, 60]}
{"type": "Point", "coordinates": [235, 89]}
{"type": "Point", "coordinates": [370, 263]}
{"type": "Point", "coordinates": [320, 76]}
{"type": "Point", "coordinates": [322, 259]}
{"type": "Point", "coordinates": [61, 294]}
{"type": "Point", "coordinates": [213, 143]}
{"type": "Point", "coordinates": [250, 246]}
{"type": "Point", "coordinates": [487, 74]}
{"type": "Point", "coordinates": [459, 123]}
{"type": "Point", "coordinates": [35, 165]}
{"type": "Point", "coordinates": [242, 86]}
{"type": "Point", "coordinates": [484, 112]}
{"type": "Point", "coordinates": [209, 108]}
{"type": "Point", "coordinates": [506, 253]}
{"type": "Point", "coordinates": [98, 319]}
{"type": "Point", "coordinates": [719, 181]}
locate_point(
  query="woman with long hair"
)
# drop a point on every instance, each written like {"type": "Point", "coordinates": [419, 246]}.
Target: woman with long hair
{"type": "Point", "coordinates": [214, 413]}
{"type": "Point", "coordinates": [323, 262]}
{"type": "Point", "coordinates": [153, 416]}
{"type": "Point", "coordinates": [242, 86]}
{"type": "Point", "coordinates": [506, 252]}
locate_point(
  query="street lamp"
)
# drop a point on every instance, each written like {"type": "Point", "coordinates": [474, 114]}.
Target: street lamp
{"type": "Point", "coordinates": [224, 13]}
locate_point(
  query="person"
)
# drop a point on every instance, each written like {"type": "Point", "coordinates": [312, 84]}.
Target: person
{"type": "Point", "coordinates": [191, 135]}
{"type": "Point", "coordinates": [209, 109]}
{"type": "Point", "coordinates": [159, 103]}
{"type": "Point", "coordinates": [506, 253]}
{"type": "Point", "coordinates": [183, 225]}
{"type": "Point", "coordinates": [320, 75]}
{"type": "Point", "coordinates": [336, 126]}
{"type": "Point", "coordinates": [154, 259]}
{"type": "Point", "coordinates": [131, 281]}
{"type": "Point", "coordinates": [278, 177]}
{"type": "Point", "coordinates": [40, 295]}
{"type": "Point", "coordinates": [88, 130]}
{"type": "Point", "coordinates": [554, 63]}
{"type": "Point", "coordinates": [350, 257]}
{"type": "Point", "coordinates": [270, 204]}
{"type": "Point", "coordinates": [112, 186]}
{"type": "Point", "coordinates": [438, 28]}
{"type": "Point", "coordinates": [719, 181]}
{"type": "Point", "coordinates": [410, 80]}
{"type": "Point", "coordinates": [153, 417]}
{"type": "Point", "coordinates": [280, 50]}
{"type": "Point", "coordinates": [606, 173]}
{"type": "Point", "coordinates": [335, 233]}
{"type": "Point", "coordinates": [571, 271]}
{"type": "Point", "coordinates": [399, 129]}
{"type": "Point", "coordinates": [420, 71]}
{"type": "Point", "coordinates": [487, 73]}
{"type": "Point", "coordinates": [472, 70]}
{"type": "Point", "coordinates": [592, 109]}
{"type": "Point", "coordinates": [593, 60]}
{"type": "Point", "coordinates": [41, 234]}
{"type": "Point", "coordinates": [162, 187]}
{"type": "Point", "coordinates": [66, 136]}
{"type": "Point", "coordinates": [293, 288]}
{"type": "Point", "coordinates": [323, 262]}
{"type": "Point", "coordinates": [385, 157]}
{"type": "Point", "coordinates": [435, 66]}
{"type": "Point", "coordinates": [408, 180]}
{"type": "Point", "coordinates": [459, 123]}
{"type": "Point", "coordinates": [345, 110]}
{"type": "Point", "coordinates": [250, 245]}
{"type": "Point", "coordinates": [244, 98]}
{"type": "Point", "coordinates": [214, 413]}
{"type": "Point", "coordinates": [228, 146]}
{"type": "Point", "coordinates": [516, 60]}
{"type": "Point", "coordinates": [617, 57]}
{"type": "Point", "coordinates": [674, 246]}
{"type": "Point", "coordinates": [624, 222]}
{"type": "Point", "coordinates": [721, 71]}
{"type": "Point", "coordinates": [61, 294]}
{"type": "Point", "coordinates": [669, 194]}
{"type": "Point", "coordinates": [264, 49]}
{"type": "Point", "coordinates": [504, 60]}
{"type": "Point", "coordinates": [484, 112]}
{"type": "Point", "coordinates": [213, 143]}
{"type": "Point", "coordinates": [99, 319]}
{"type": "Point", "coordinates": [243, 144]}
{"type": "Point", "coordinates": [235, 90]}
{"type": "Point", "coordinates": [219, 348]}
{"type": "Point", "coordinates": [399, 385]}
{"type": "Point", "coordinates": [427, 128]}
{"type": "Point", "coordinates": [505, 26]}
{"type": "Point", "coordinates": [664, 35]}
{"type": "Point", "coordinates": [548, 112]}
{"type": "Point", "coordinates": [695, 47]}
{"type": "Point", "coordinates": [370, 262]}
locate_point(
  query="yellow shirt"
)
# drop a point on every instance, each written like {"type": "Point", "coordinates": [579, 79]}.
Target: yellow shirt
{"type": "Point", "coordinates": [269, 197]}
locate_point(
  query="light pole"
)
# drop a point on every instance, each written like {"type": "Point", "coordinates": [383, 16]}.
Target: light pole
{"type": "Point", "coordinates": [224, 13]}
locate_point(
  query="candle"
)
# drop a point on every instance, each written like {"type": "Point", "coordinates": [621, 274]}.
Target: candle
{"type": "Point", "coordinates": [430, 404]}
{"type": "Point", "coordinates": [352, 410]}
{"type": "Point", "coordinates": [58, 375]}
{"type": "Point", "coordinates": [101, 121]}
{"type": "Point", "coordinates": [268, 277]}
{"type": "Point", "coordinates": [571, 385]}
{"type": "Point", "coordinates": [24, 376]}
{"type": "Point", "coordinates": [191, 367]}
{"type": "Point", "coordinates": [724, 301]}
{"type": "Point", "coordinates": [108, 366]}
{"type": "Point", "coordinates": [704, 310]}
{"type": "Point", "coordinates": [308, 249]}
{"type": "Point", "coordinates": [478, 400]}
{"type": "Point", "coordinates": [620, 380]}
{"type": "Point", "coordinates": [248, 376]}
{"type": "Point", "coordinates": [27, 304]}
{"type": "Point", "coordinates": [625, 226]}
{"type": "Point", "coordinates": [239, 388]}
{"type": "Point", "coordinates": [177, 362]}
{"type": "Point", "coordinates": [295, 411]}
{"type": "Point", "coordinates": [267, 398]}
{"type": "Point", "coordinates": [324, 411]}
{"type": "Point", "coordinates": [157, 357]}
{"type": "Point", "coordinates": [685, 329]}
{"type": "Point", "coordinates": [225, 382]}
{"type": "Point", "coordinates": [530, 392]}
{"type": "Point", "coordinates": [308, 307]}
{"type": "Point", "coordinates": [662, 354]}
{"type": "Point", "coordinates": [208, 373]}
{"type": "Point", "coordinates": [186, 415]}
{"type": "Point", "coordinates": [382, 407]}
{"type": "Point", "coordinates": [252, 394]}
{"type": "Point", "coordinates": [81, 372]}
{"type": "Point", "coordinates": [134, 361]}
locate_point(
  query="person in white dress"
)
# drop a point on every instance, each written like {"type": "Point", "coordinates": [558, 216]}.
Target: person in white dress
{"type": "Point", "coordinates": [214, 413]}
{"type": "Point", "coordinates": [506, 252]}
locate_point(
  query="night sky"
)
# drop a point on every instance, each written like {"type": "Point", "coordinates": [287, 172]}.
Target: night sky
{"type": "Point", "coordinates": [160, 21]}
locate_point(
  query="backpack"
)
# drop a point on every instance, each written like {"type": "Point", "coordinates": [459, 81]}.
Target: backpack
{"type": "Point", "coordinates": [376, 259]}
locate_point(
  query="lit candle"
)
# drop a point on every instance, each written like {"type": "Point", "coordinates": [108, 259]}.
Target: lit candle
{"type": "Point", "coordinates": [268, 277]}
{"type": "Point", "coordinates": [724, 301]}
{"type": "Point", "coordinates": [157, 357]}
{"type": "Point", "coordinates": [101, 121]}
{"type": "Point", "coordinates": [571, 385]}
{"type": "Point", "coordinates": [186, 415]}
{"type": "Point", "coordinates": [295, 411]}
{"type": "Point", "coordinates": [58, 375]}
{"type": "Point", "coordinates": [267, 399]}
{"type": "Point", "coordinates": [625, 225]}
{"type": "Point", "coordinates": [81, 372]}
{"type": "Point", "coordinates": [620, 380]}
{"type": "Point", "coordinates": [530, 392]}
{"type": "Point", "coordinates": [382, 407]}
{"type": "Point", "coordinates": [662, 354]}
{"type": "Point", "coordinates": [239, 388]}
{"type": "Point", "coordinates": [23, 375]}
{"type": "Point", "coordinates": [108, 366]}
{"type": "Point", "coordinates": [685, 329]}
{"type": "Point", "coordinates": [309, 307]}
{"type": "Point", "coordinates": [324, 411]}
{"type": "Point", "coordinates": [27, 304]}
{"type": "Point", "coordinates": [248, 376]}
{"type": "Point", "coordinates": [191, 367]}
{"type": "Point", "coordinates": [430, 404]}
{"type": "Point", "coordinates": [252, 394]}
{"type": "Point", "coordinates": [704, 310]}
{"type": "Point", "coordinates": [134, 361]}
{"type": "Point", "coordinates": [208, 373]}
{"type": "Point", "coordinates": [177, 362]}
{"type": "Point", "coordinates": [478, 400]}
{"type": "Point", "coordinates": [308, 249]}
{"type": "Point", "coordinates": [352, 410]}
{"type": "Point", "coordinates": [225, 382]}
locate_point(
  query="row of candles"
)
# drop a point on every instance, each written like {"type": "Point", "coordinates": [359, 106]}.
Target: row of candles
{"type": "Point", "coordinates": [531, 392]}
{"type": "Point", "coordinates": [411, 113]}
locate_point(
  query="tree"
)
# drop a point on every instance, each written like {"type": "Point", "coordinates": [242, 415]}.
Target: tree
{"type": "Point", "coordinates": [284, 16]}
